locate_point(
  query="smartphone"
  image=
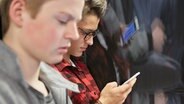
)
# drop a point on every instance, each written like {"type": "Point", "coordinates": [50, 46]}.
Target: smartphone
{"type": "Point", "coordinates": [134, 76]}
{"type": "Point", "coordinates": [130, 30]}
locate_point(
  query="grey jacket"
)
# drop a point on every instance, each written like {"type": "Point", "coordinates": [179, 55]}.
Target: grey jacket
{"type": "Point", "coordinates": [14, 89]}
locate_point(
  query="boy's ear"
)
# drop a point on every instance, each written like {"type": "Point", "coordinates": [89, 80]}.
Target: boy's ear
{"type": "Point", "coordinates": [16, 11]}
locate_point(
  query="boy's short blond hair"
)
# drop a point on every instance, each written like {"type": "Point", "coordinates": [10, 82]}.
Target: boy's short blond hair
{"type": "Point", "coordinates": [32, 5]}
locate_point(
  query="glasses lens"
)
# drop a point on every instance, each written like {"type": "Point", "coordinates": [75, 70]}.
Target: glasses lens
{"type": "Point", "coordinates": [87, 35]}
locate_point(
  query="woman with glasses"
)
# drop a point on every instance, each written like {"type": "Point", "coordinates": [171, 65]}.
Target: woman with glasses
{"type": "Point", "coordinates": [74, 69]}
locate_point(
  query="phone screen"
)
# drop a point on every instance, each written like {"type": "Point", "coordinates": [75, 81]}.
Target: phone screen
{"type": "Point", "coordinates": [130, 30]}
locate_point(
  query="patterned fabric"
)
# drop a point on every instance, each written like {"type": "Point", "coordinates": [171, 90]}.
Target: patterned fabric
{"type": "Point", "coordinates": [89, 91]}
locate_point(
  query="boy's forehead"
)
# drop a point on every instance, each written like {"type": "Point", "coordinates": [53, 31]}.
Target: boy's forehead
{"type": "Point", "coordinates": [74, 8]}
{"type": "Point", "coordinates": [71, 7]}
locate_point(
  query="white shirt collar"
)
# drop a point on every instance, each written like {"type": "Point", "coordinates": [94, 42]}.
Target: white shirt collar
{"type": "Point", "coordinates": [55, 79]}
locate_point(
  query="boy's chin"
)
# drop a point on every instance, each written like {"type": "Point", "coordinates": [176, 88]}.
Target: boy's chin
{"type": "Point", "coordinates": [78, 55]}
{"type": "Point", "coordinates": [55, 60]}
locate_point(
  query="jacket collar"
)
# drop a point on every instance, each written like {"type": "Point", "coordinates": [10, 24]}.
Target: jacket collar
{"type": "Point", "coordinates": [55, 79]}
{"type": "Point", "coordinates": [75, 63]}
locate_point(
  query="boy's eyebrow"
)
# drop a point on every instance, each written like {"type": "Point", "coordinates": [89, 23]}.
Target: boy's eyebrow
{"type": "Point", "coordinates": [70, 17]}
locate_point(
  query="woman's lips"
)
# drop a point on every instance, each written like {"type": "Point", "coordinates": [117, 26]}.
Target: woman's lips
{"type": "Point", "coordinates": [83, 48]}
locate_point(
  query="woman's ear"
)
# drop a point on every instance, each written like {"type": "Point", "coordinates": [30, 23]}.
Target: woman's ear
{"type": "Point", "coordinates": [15, 12]}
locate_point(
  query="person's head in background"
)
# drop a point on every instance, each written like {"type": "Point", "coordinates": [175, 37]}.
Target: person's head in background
{"type": "Point", "coordinates": [40, 30]}
{"type": "Point", "coordinates": [158, 35]}
{"type": "Point", "coordinates": [87, 27]}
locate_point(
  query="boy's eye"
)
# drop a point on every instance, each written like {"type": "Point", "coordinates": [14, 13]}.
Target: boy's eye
{"type": "Point", "coordinates": [62, 22]}
{"type": "Point", "coordinates": [62, 19]}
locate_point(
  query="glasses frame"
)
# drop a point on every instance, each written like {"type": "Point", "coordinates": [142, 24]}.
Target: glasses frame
{"type": "Point", "coordinates": [88, 35]}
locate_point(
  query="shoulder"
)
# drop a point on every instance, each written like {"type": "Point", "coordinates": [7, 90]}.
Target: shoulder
{"type": "Point", "coordinates": [11, 91]}
{"type": "Point", "coordinates": [7, 91]}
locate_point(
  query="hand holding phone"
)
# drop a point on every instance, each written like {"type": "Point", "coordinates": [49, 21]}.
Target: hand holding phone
{"type": "Point", "coordinates": [130, 79]}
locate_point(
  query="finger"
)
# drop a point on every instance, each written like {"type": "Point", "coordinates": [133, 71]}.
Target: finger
{"type": "Point", "coordinates": [132, 82]}
{"type": "Point", "coordinates": [122, 92]}
{"type": "Point", "coordinates": [126, 87]}
{"type": "Point", "coordinates": [126, 92]}
{"type": "Point", "coordinates": [122, 88]}
{"type": "Point", "coordinates": [111, 85]}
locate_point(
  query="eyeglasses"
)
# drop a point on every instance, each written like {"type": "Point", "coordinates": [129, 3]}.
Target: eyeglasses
{"type": "Point", "coordinates": [87, 34]}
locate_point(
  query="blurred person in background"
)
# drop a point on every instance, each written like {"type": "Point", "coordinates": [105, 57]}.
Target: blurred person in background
{"type": "Point", "coordinates": [144, 49]}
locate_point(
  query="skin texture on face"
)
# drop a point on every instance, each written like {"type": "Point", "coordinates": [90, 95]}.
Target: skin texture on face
{"type": "Point", "coordinates": [89, 23]}
{"type": "Point", "coordinates": [48, 36]}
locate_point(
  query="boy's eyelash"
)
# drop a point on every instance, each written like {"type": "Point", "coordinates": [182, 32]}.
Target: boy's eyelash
{"type": "Point", "coordinates": [62, 22]}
